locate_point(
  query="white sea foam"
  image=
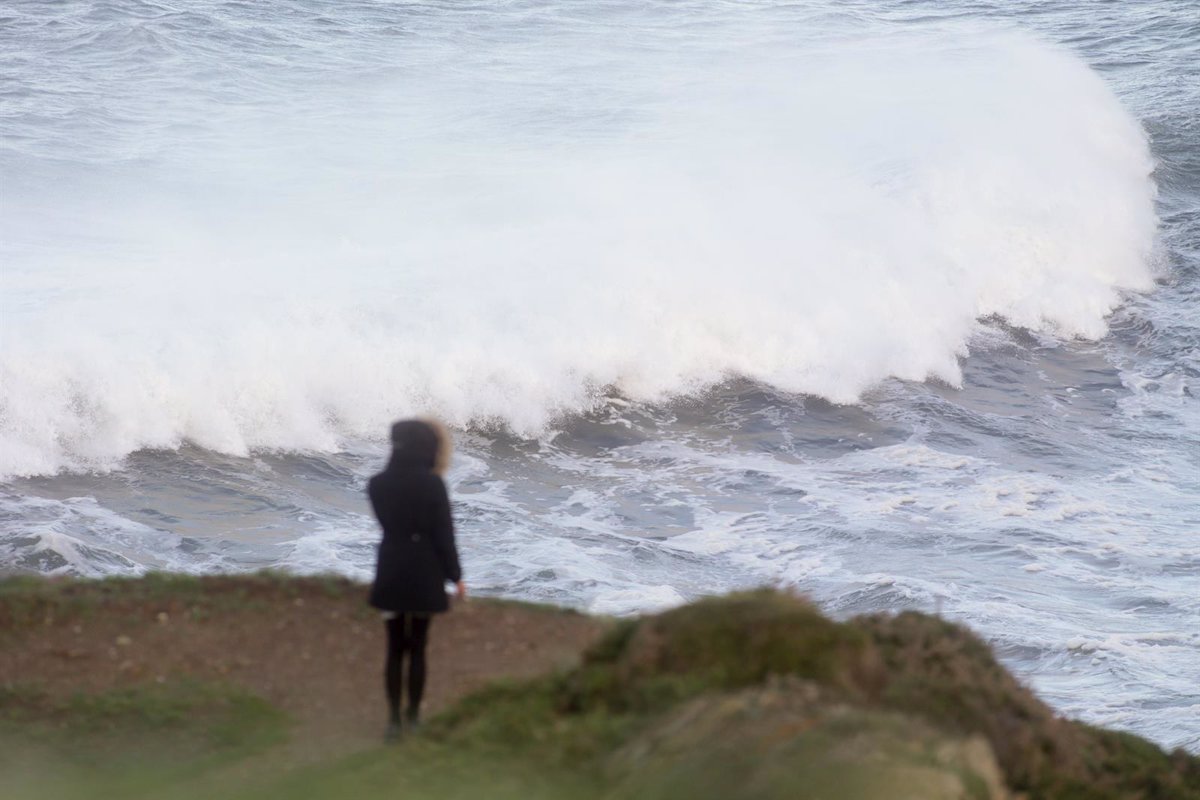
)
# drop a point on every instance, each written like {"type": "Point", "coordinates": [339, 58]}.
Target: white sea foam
{"type": "Point", "coordinates": [642, 600]}
{"type": "Point", "coordinates": [817, 219]}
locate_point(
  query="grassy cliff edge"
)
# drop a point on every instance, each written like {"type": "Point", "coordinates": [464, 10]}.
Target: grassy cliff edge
{"type": "Point", "coordinates": [267, 685]}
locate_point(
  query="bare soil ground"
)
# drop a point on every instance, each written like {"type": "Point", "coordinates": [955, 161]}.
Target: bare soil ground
{"type": "Point", "coordinates": [311, 648]}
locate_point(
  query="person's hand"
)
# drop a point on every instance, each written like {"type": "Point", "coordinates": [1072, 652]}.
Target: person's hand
{"type": "Point", "coordinates": [460, 591]}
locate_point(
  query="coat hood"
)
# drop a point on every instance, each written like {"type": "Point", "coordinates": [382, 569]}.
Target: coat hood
{"type": "Point", "coordinates": [421, 441]}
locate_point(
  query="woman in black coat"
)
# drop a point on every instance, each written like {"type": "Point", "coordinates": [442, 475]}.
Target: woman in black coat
{"type": "Point", "coordinates": [416, 557]}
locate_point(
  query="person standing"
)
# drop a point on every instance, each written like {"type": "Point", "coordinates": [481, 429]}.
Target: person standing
{"type": "Point", "coordinates": [417, 556]}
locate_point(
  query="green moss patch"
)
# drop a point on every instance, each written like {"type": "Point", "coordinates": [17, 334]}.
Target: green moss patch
{"type": "Point", "coordinates": [172, 722]}
{"type": "Point", "coordinates": [921, 667]}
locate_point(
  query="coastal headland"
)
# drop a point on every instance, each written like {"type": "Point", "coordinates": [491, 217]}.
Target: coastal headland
{"type": "Point", "coordinates": [270, 685]}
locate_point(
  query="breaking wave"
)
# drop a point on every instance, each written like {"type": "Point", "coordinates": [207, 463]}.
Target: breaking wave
{"type": "Point", "coordinates": [817, 219]}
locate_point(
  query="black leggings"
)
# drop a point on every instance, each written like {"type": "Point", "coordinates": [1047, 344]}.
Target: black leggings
{"type": "Point", "coordinates": [406, 633]}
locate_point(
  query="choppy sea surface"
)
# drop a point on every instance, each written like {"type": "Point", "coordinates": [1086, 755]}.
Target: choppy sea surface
{"type": "Point", "coordinates": [894, 303]}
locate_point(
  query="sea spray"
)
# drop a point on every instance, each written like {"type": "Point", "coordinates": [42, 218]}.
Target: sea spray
{"type": "Point", "coordinates": [814, 218]}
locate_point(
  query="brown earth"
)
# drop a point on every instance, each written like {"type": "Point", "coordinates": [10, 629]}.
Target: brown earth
{"type": "Point", "coordinates": [310, 647]}
{"type": "Point", "coordinates": [685, 692]}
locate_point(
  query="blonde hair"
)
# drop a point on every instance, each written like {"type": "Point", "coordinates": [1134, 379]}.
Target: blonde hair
{"type": "Point", "coordinates": [445, 445]}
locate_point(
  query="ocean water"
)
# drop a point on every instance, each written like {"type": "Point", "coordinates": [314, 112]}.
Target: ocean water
{"type": "Point", "coordinates": [893, 303]}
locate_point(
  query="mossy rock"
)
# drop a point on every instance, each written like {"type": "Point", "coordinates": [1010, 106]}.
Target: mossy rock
{"type": "Point", "coordinates": [949, 676]}
{"type": "Point", "coordinates": [919, 667]}
{"type": "Point", "coordinates": [789, 741]}
{"type": "Point", "coordinates": [722, 643]}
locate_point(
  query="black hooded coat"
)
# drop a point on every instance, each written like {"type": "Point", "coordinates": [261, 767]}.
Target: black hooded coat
{"type": "Point", "coordinates": [417, 555]}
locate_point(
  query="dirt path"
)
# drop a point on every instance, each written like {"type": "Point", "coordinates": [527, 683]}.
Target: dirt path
{"type": "Point", "coordinates": [314, 652]}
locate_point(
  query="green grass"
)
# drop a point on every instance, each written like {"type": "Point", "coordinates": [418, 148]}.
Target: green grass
{"type": "Point", "coordinates": [430, 770]}
{"type": "Point", "coordinates": [754, 696]}
{"type": "Point", "coordinates": [175, 720]}
{"type": "Point", "coordinates": [912, 664]}
{"type": "Point", "coordinates": [26, 601]}
{"type": "Point", "coordinates": [35, 600]}
{"type": "Point", "coordinates": [131, 742]}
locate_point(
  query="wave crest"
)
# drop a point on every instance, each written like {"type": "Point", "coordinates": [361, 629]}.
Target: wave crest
{"type": "Point", "coordinates": [818, 220]}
